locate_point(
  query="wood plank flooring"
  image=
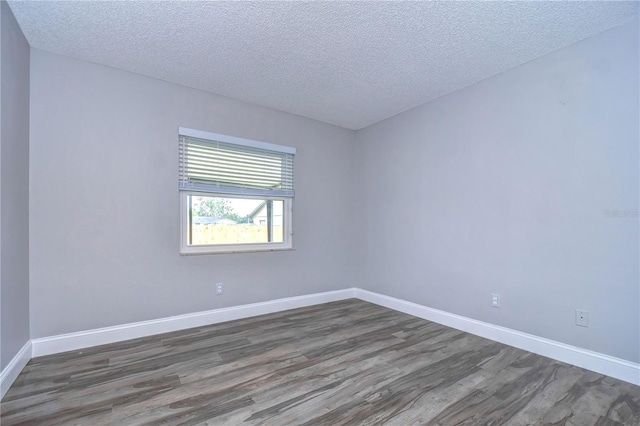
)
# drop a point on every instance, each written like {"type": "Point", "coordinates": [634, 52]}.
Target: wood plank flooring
{"type": "Point", "coordinates": [341, 363]}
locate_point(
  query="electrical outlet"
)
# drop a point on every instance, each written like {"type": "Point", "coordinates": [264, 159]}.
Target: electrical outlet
{"type": "Point", "coordinates": [495, 300]}
{"type": "Point", "coordinates": [582, 318]}
{"type": "Point", "coordinates": [219, 289]}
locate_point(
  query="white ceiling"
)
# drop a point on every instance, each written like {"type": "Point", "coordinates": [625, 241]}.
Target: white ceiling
{"type": "Point", "coordinates": [351, 64]}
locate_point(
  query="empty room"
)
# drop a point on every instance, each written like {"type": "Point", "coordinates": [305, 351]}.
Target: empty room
{"type": "Point", "coordinates": [319, 213]}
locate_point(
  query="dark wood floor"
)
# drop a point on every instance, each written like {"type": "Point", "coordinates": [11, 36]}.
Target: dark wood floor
{"type": "Point", "coordinates": [347, 362]}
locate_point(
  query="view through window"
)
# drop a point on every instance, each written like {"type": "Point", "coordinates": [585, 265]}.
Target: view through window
{"type": "Point", "coordinates": [217, 220]}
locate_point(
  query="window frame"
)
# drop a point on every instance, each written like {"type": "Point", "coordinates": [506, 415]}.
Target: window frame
{"type": "Point", "coordinates": [186, 249]}
{"type": "Point", "coordinates": [286, 244]}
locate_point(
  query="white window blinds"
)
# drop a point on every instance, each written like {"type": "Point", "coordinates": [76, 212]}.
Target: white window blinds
{"type": "Point", "coordinates": [227, 165]}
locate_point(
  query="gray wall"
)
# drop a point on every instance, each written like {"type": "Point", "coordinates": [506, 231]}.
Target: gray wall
{"type": "Point", "coordinates": [502, 187]}
{"type": "Point", "coordinates": [104, 201]}
{"type": "Point", "coordinates": [14, 186]}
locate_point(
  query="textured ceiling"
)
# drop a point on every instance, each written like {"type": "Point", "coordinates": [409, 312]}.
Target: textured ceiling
{"type": "Point", "coordinates": [349, 64]}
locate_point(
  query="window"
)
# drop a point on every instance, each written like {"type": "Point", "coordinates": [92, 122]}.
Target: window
{"type": "Point", "coordinates": [235, 194]}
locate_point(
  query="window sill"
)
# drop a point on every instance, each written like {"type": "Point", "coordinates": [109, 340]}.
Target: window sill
{"type": "Point", "coordinates": [229, 251]}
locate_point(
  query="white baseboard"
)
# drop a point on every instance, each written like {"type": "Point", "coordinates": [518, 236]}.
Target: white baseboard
{"type": "Point", "coordinates": [604, 364]}
{"type": "Point", "coordinates": [12, 370]}
{"type": "Point", "coordinates": [590, 360]}
{"type": "Point", "coordinates": [101, 336]}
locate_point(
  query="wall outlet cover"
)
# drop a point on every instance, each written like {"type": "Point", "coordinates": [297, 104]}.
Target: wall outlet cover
{"type": "Point", "coordinates": [582, 318]}
{"type": "Point", "coordinates": [495, 300]}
